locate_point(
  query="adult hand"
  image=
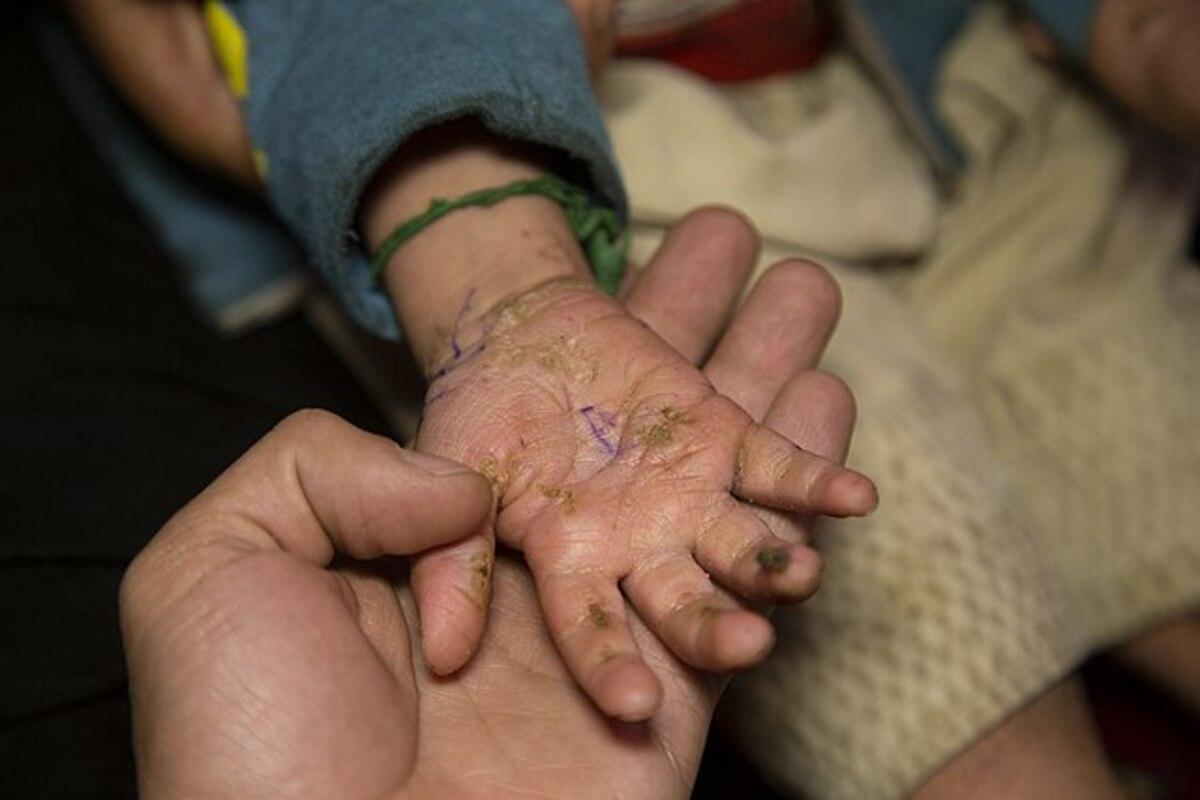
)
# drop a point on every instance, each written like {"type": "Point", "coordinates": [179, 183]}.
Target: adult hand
{"type": "Point", "coordinates": [261, 664]}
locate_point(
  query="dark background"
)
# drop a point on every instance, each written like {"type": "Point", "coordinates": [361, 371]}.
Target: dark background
{"type": "Point", "coordinates": [118, 405]}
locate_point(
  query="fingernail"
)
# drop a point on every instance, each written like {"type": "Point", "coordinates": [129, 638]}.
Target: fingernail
{"type": "Point", "coordinates": [438, 467]}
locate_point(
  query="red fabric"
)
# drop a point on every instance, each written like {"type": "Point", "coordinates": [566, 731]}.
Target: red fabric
{"type": "Point", "coordinates": [752, 40]}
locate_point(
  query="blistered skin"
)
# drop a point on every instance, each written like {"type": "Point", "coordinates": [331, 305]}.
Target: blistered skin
{"type": "Point", "coordinates": [621, 473]}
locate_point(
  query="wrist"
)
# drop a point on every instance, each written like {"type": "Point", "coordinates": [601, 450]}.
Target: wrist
{"type": "Point", "coordinates": [470, 261]}
{"type": "Point", "coordinates": [529, 322]}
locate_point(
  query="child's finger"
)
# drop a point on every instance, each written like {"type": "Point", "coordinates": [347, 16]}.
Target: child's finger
{"type": "Point", "coordinates": [781, 329]}
{"type": "Point", "coordinates": [743, 555]}
{"type": "Point", "coordinates": [452, 586]}
{"type": "Point", "coordinates": [586, 616]}
{"type": "Point", "coordinates": [773, 472]}
{"type": "Point", "coordinates": [689, 288]}
{"type": "Point", "coordinates": [699, 623]}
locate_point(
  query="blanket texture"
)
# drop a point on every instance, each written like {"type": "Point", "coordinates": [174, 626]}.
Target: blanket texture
{"type": "Point", "coordinates": [1026, 356]}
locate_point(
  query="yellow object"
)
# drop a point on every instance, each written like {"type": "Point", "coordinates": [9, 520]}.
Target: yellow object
{"type": "Point", "coordinates": [260, 163]}
{"type": "Point", "coordinates": [229, 40]}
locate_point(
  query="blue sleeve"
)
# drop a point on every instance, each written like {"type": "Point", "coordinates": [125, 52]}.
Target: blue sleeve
{"type": "Point", "coordinates": [1069, 20]}
{"type": "Point", "coordinates": [903, 41]}
{"type": "Point", "coordinates": [335, 86]}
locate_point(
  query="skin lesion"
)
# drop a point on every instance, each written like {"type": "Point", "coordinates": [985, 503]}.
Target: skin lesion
{"type": "Point", "coordinates": [499, 474]}
{"type": "Point", "coordinates": [480, 591]}
{"type": "Point", "coordinates": [560, 494]}
{"type": "Point", "coordinates": [774, 559]}
{"type": "Point", "coordinates": [597, 616]}
{"type": "Point", "coordinates": [566, 357]}
{"type": "Point", "coordinates": [662, 432]}
{"type": "Point", "coordinates": [514, 311]}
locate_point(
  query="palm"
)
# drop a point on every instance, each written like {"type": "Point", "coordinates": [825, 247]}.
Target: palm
{"type": "Point", "coordinates": [616, 463]}
{"type": "Point", "coordinates": [297, 685]}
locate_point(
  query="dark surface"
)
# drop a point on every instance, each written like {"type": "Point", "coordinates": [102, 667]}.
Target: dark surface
{"type": "Point", "coordinates": [1152, 740]}
{"type": "Point", "coordinates": [117, 407]}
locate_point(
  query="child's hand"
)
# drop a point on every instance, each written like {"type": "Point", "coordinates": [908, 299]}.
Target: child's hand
{"type": "Point", "coordinates": [615, 463]}
{"type": "Point", "coordinates": [597, 27]}
{"type": "Point", "coordinates": [1147, 53]}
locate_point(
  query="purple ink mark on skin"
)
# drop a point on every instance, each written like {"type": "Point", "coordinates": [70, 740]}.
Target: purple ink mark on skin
{"type": "Point", "coordinates": [433, 398]}
{"type": "Point", "coordinates": [466, 355]}
{"type": "Point", "coordinates": [462, 312]}
{"type": "Point", "coordinates": [595, 421]}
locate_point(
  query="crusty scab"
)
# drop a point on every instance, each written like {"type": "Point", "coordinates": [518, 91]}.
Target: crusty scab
{"type": "Point", "coordinates": [566, 357]}
{"type": "Point", "coordinates": [520, 308]}
{"type": "Point", "coordinates": [597, 615]}
{"type": "Point", "coordinates": [663, 430]}
{"type": "Point", "coordinates": [560, 494]}
{"type": "Point", "coordinates": [481, 578]}
{"type": "Point", "coordinates": [774, 559]}
{"type": "Point", "coordinates": [499, 475]}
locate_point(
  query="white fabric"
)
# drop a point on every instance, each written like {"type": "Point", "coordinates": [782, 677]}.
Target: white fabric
{"type": "Point", "coordinates": [1025, 361]}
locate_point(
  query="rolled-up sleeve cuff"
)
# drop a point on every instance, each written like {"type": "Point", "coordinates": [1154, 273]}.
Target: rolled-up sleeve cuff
{"type": "Point", "coordinates": [335, 88]}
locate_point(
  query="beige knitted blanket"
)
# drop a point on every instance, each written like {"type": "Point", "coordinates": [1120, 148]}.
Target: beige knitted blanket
{"type": "Point", "coordinates": [1026, 355]}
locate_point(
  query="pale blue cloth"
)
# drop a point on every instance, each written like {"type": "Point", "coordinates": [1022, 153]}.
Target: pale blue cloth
{"type": "Point", "coordinates": [336, 86]}
{"type": "Point", "coordinates": [914, 34]}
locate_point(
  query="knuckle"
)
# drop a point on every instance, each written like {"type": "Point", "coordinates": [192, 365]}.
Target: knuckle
{"type": "Point", "coordinates": [307, 422]}
{"type": "Point", "coordinates": [767, 460]}
{"type": "Point", "coordinates": [133, 585]}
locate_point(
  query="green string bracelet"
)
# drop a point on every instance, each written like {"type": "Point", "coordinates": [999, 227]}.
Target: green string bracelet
{"type": "Point", "coordinates": [598, 229]}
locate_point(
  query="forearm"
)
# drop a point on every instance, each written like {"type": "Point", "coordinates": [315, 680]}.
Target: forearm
{"type": "Point", "coordinates": [486, 253]}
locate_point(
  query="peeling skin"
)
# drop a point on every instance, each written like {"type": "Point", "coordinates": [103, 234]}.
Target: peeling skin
{"type": "Point", "coordinates": [565, 357]}
{"type": "Point", "coordinates": [774, 559]}
{"type": "Point", "coordinates": [597, 615]}
{"type": "Point", "coordinates": [490, 469]}
{"type": "Point", "coordinates": [559, 494]}
{"type": "Point", "coordinates": [663, 431]}
{"type": "Point", "coordinates": [739, 466]}
{"type": "Point", "coordinates": [481, 579]}
{"type": "Point", "coordinates": [500, 476]}
{"type": "Point", "coordinates": [520, 308]}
